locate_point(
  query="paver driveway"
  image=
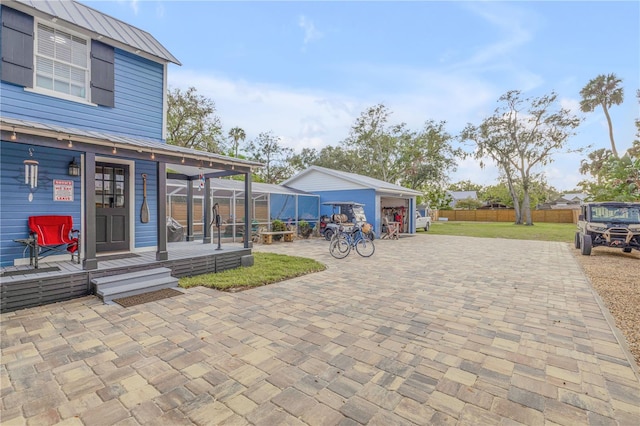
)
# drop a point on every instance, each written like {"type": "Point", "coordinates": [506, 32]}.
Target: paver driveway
{"type": "Point", "coordinates": [430, 330]}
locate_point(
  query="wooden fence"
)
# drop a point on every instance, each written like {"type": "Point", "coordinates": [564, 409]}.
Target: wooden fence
{"type": "Point", "coordinates": [508, 215]}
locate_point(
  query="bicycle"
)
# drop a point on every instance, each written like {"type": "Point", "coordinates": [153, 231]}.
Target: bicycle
{"type": "Point", "coordinates": [342, 242]}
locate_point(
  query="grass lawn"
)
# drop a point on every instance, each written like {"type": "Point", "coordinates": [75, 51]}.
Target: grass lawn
{"type": "Point", "coordinates": [563, 232]}
{"type": "Point", "coordinates": [268, 268]}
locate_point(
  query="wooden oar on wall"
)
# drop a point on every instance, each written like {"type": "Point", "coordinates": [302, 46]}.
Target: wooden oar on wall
{"type": "Point", "coordinates": [144, 210]}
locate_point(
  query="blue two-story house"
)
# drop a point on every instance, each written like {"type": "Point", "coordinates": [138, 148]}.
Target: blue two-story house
{"type": "Point", "coordinates": [83, 110]}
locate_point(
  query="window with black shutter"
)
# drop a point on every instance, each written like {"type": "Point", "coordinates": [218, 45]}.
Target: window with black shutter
{"type": "Point", "coordinates": [55, 61]}
{"type": "Point", "coordinates": [16, 65]}
{"type": "Point", "coordinates": [102, 74]}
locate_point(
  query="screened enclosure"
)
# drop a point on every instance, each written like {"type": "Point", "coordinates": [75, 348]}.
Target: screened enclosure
{"type": "Point", "coordinates": [269, 202]}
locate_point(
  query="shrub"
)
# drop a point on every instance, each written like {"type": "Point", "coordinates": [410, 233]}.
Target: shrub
{"type": "Point", "coordinates": [277, 225]}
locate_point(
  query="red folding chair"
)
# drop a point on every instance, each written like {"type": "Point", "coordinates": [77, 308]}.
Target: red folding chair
{"type": "Point", "coordinates": [53, 234]}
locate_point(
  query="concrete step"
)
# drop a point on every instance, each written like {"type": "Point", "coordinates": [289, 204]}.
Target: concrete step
{"type": "Point", "coordinates": [146, 286]}
{"type": "Point", "coordinates": [133, 283]}
{"type": "Point", "coordinates": [129, 278]}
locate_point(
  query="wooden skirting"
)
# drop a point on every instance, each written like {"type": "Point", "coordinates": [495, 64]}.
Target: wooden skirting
{"type": "Point", "coordinates": [41, 289]}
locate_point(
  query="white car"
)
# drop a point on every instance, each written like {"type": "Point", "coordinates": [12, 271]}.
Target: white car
{"type": "Point", "coordinates": [423, 222]}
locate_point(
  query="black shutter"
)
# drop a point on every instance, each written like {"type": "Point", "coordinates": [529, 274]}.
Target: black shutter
{"type": "Point", "coordinates": [17, 47]}
{"type": "Point", "coordinates": [102, 75]}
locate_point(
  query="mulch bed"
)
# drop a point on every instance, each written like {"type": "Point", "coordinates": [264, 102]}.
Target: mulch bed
{"type": "Point", "coordinates": [151, 296]}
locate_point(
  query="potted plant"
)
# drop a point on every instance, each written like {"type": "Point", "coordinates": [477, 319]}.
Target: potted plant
{"type": "Point", "coordinates": [305, 229]}
{"type": "Point", "coordinates": [277, 225]}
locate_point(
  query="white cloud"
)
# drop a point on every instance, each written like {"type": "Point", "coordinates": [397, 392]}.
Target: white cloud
{"type": "Point", "coordinates": [311, 33]}
{"type": "Point", "coordinates": [470, 169]}
{"type": "Point", "coordinates": [134, 6]}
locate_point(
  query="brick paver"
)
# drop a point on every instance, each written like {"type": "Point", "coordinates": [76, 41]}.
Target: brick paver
{"type": "Point", "coordinates": [430, 330]}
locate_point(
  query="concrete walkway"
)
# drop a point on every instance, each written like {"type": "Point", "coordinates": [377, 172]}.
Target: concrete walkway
{"type": "Point", "coordinates": [430, 330]}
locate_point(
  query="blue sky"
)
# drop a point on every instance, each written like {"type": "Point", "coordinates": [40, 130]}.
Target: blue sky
{"type": "Point", "coordinates": [306, 70]}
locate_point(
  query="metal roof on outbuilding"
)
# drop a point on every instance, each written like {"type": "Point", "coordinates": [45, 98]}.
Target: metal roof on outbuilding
{"type": "Point", "coordinates": [97, 22]}
{"type": "Point", "coordinates": [364, 181]}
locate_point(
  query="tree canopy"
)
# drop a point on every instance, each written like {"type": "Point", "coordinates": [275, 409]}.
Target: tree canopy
{"type": "Point", "coordinates": [192, 121]}
{"type": "Point", "coordinates": [266, 149]}
{"type": "Point", "coordinates": [521, 136]}
{"type": "Point", "coordinates": [603, 91]}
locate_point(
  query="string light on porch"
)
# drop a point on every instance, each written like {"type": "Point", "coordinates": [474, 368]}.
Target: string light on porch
{"type": "Point", "coordinates": [114, 150]}
{"type": "Point", "coordinates": [182, 161]}
{"type": "Point", "coordinates": [13, 135]}
{"type": "Point", "coordinates": [153, 155]}
{"type": "Point", "coordinates": [70, 144]}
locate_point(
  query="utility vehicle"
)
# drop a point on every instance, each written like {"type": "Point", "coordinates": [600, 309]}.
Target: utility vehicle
{"type": "Point", "coordinates": [608, 224]}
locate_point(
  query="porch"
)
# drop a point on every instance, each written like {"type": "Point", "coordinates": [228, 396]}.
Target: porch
{"type": "Point", "coordinates": [24, 287]}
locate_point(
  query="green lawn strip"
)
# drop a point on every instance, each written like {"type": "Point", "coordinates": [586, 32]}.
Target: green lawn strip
{"type": "Point", "coordinates": [268, 268]}
{"type": "Point", "coordinates": [562, 232]}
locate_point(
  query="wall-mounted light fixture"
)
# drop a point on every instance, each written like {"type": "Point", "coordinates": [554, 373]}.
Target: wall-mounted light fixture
{"type": "Point", "coordinates": [74, 168]}
{"type": "Point", "coordinates": [13, 135]}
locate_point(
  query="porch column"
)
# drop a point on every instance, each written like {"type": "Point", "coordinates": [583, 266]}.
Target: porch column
{"type": "Point", "coordinates": [190, 210]}
{"type": "Point", "coordinates": [207, 216]}
{"type": "Point", "coordinates": [161, 190]}
{"type": "Point", "coordinates": [248, 210]}
{"type": "Point", "coordinates": [90, 261]}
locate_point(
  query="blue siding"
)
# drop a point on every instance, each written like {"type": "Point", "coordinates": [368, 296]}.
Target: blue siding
{"type": "Point", "coordinates": [145, 233]}
{"type": "Point", "coordinates": [15, 207]}
{"type": "Point", "coordinates": [363, 196]}
{"type": "Point", "coordinates": [138, 102]}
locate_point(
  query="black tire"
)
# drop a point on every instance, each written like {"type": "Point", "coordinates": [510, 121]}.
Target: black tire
{"type": "Point", "coordinates": [328, 233]}
{"type": "Point", "coordinates": [339, 248]}
{"type": "Point", "coordinates": [627, 250]}
{"type": "Point", "coordinates": [426, 228]}
{"type": "Point", "coordinates": [585, 245]}
{"type": "Point", "coordinates": [577, 239]}
{"type": "Point", "coordinates": [365, 247]}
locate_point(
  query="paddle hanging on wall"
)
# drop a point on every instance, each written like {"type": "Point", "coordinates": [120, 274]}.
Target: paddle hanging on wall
{"type": "Point", "coordinates": [144, 210]}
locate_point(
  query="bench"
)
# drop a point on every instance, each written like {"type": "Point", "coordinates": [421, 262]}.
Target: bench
{"type": "Point", "coordinates": [267, 237]}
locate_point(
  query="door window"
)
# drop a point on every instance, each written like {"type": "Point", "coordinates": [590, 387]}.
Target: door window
{"type": "Point", "coordinates": [110, 187]}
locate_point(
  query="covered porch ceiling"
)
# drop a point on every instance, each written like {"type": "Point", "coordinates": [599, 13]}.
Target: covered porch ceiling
{"type": "Point", "coordinates": [182, 163]}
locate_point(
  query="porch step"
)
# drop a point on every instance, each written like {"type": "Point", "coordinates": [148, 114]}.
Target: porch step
{"type": "Point", "coordinates": [129, 278]}
{"type": "Point", "coordinates": [133, 283]}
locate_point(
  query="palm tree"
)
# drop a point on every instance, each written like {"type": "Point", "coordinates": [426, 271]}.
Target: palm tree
{"type": "Point", "coordinates": [604, 91]}
{"type": "Point", "coordinates": [237, 134]}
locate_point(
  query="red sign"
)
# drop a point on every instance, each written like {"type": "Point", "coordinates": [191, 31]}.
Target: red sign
{"type": "Point", "coordinates": [62, 190]}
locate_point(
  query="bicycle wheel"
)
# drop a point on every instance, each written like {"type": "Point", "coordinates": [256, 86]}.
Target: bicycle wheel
{"type": "Point", "coordinates": [365, 247]}
{"type": "Point", "coordinates": [339, 247]}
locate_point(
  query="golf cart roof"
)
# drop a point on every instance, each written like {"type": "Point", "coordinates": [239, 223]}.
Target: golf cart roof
{"type": "Point", "coordinates": [341, 203]}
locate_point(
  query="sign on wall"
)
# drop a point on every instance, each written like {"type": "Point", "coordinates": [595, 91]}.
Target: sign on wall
{"type": "Point", "coordinates": [62, 190]}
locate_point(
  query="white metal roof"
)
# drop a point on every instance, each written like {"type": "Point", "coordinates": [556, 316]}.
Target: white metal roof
{"type": "Point", "coordinates": [98, 23]}
{"type": "Point", "coordinates": [365, 181]}
{"type": "Point", "coordinates": [119, 141]}
{"type": "Point", "coordinates": [238, 185]}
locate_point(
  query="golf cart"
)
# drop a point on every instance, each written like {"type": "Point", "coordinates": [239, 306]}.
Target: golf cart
{"type": "Point", "coordinates": [345, 214]}
{"type": "Point", "coordinates": [608, 224]}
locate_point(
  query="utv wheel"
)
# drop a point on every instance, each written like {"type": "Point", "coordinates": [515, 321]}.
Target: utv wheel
{"type": "Point", "coordinates": [627, 249]}
{"type": "Point", "coordinates": [585, 245]}
{"type": "Point", "coordinates": [576, 240]}
{"type": "Point", "coordinates": [328, 233]}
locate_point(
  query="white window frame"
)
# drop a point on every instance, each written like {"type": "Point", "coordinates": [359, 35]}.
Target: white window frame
{"type": "Point", "coordinates": [50, 92]}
